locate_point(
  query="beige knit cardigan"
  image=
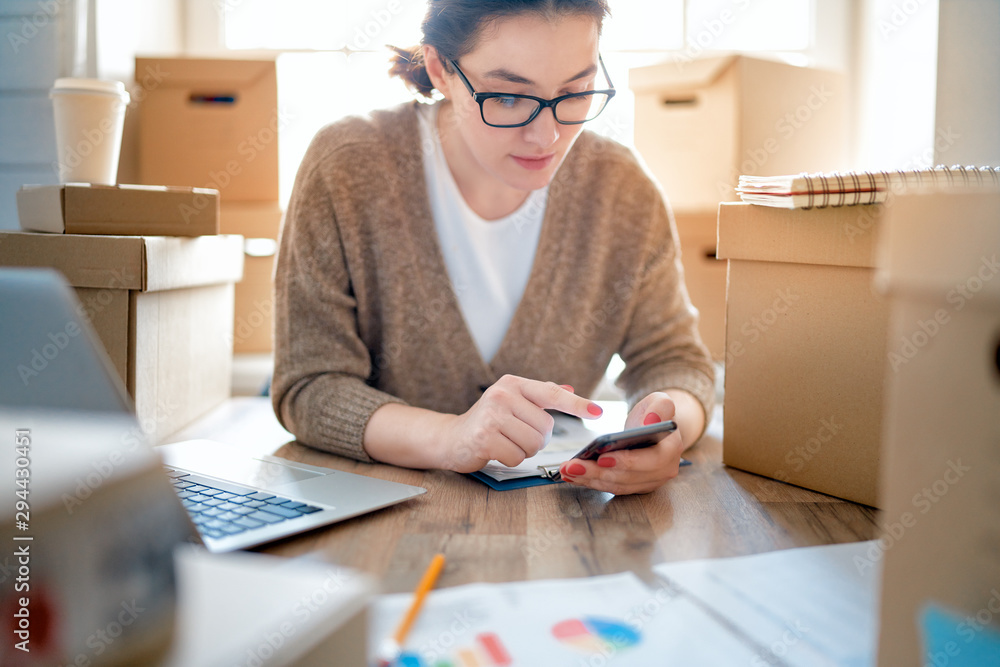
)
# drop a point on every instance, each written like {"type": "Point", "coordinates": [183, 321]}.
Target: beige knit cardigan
{"type": "Point", "coordinates": [365, 312]}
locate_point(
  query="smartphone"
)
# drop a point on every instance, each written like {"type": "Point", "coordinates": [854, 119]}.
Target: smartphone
{"type": "Point", "coordinates": [633, 438]}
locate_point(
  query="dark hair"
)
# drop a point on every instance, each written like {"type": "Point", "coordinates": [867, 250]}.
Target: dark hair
{"type": "Point", "coordinates": [454, 27]}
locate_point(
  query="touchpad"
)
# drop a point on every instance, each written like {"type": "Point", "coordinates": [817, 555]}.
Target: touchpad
{"type": "Point", "coordinates": [268, 475]}
{"type": "Point", "coordinates": [231, 463]}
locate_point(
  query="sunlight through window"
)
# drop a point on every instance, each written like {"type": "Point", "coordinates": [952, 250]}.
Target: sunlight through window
{"type": "Point", "coordinates": [333, 56]}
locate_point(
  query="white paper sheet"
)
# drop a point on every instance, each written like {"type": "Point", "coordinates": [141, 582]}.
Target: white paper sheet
{"type": "Point", "coordinates": [811, 606]}
{"type": "Point", "coordinates": [614, 619]}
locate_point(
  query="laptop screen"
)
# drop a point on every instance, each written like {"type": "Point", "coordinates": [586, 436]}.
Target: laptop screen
{"type": "Point", "coordinates": [50, 356]}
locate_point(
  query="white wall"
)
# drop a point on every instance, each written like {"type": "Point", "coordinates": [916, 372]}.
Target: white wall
{"type": "Point", "coordinates": [124, 29]}
{"type": "Point", "coordinates": [968, 91]}
{"type": "Point", "coordinates": [896, 84]}
{"type": "Point", "coordinates": [203, 26]}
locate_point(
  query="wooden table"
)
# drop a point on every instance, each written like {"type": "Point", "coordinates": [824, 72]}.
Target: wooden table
{"type": "Point", "coordinates": [556, 531]}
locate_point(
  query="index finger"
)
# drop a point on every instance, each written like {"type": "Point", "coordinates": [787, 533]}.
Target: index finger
{"type": "Point", "coordinates": [550, 396]}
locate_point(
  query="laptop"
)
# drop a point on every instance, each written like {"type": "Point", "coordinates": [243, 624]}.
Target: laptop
{"type": "Point", "coordinates": [51, 358]}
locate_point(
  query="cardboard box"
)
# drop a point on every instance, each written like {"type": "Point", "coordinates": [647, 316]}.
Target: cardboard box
{"type": "Point", "coordinates": [705, 276]}
{"type": "Point", "coordinates": [253, 220]}
{"type": "Point", "coordinates": [131, 210]}
{"type": "Point", "coordinates": [699, 124]}
{"type": "Point", "coordinates": [102, 527]}
{"type": "Point", "coordinates": [941, 464]}
{"type": "Point", "coordinates": [233, 602]}
{"type": "Point", "coordinates": [805, 346]}
{"type": "Point", "coordinates": [260, 223]}
{"type": "Point", "coordinates": [210, 123]}
{"type": "Point", "coordinates": [254, 312]}
{"type": "Point", "coordinates": [11, 182]}
{"type": "Point", "coordinates": [162, 306]}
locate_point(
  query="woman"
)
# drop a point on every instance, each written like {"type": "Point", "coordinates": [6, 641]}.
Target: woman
{"type": "Point", "coordinates": [448, 272]}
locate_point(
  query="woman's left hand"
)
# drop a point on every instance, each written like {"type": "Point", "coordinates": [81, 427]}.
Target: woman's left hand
{"type": "Point", "coordinates": [638, 470]}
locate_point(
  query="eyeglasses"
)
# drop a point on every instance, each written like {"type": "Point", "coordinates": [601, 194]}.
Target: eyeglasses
{"type": "Point", "coordinates": [511, 110]}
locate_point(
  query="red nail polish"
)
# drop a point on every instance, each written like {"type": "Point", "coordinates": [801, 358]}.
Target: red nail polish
{"type": "Point", "coordinates": [606, 462]}
{"type": "Point", "coordinates": [567, 387]}
{"type": "Point", "coordinates": [651, 418]}
{"type": "Point", "coordinates": [576, 469]}
{"type": "Point", "coordinates": [595, 409]}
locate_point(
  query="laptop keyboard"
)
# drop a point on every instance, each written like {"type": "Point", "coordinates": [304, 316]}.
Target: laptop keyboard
{"type": "Point", "coordinates": [220, 509]}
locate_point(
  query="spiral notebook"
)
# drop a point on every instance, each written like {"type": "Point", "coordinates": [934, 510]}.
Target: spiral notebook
{"type": "Point", "coordinates": [569, 435]}
{"type": "Point", "coordinates": [849, 188]}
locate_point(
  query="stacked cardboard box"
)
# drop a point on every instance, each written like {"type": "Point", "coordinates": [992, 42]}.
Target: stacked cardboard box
{"type": "Point", "coordinates": [701, 123]}
{"type": "Point", "coordinates": [805, 345]}
{"type": "Point", "coordinates": [129, 210]}
{"type": "Point", "coordinates": [259, 224]}
{"type": "Point", "coordinates": [938, 264]}
{"type": "Point", "coordinates": [161, 305]}
{"type": "Point", "coordinates": [704, 275]}
{"type": "Point", "coordinates": [215, 123]}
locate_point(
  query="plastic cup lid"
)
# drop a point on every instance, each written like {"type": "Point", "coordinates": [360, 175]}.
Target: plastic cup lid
{"type": "Point", "coordinates": [74, 85]}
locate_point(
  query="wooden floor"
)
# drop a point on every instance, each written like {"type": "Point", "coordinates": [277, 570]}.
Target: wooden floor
{"type": "Point", "coordinates": [557, 531]}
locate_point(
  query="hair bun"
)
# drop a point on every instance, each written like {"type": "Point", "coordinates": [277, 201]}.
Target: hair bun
{"type": "Point", "coordinates": [408, 64]}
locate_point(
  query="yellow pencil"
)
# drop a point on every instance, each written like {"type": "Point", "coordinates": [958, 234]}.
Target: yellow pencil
{"type": "Point", "coordinates": [392, 647]}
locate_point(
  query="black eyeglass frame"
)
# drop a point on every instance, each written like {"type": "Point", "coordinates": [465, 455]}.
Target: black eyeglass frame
{"type": "Point", "coordinates": [542, 103]}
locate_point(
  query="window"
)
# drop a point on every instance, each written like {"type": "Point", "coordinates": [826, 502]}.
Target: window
{"type": "Point", "coordinates": [321, 25]}
{"type": "Point", "coordinates": [330, 47]}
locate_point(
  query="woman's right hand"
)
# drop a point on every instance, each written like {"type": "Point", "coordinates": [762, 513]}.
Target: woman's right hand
{"type": "Point", "coordinates": [508, 424]}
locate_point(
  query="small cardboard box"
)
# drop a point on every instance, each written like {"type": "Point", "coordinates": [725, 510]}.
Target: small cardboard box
{"type": "Point", "coordinates": [210, 123]}
{"type": "Point", "coordinates": [162, 306]}
{"type": "Point", "coordinates": [939, 264]}
{"type": "Point", "coordinates": [805, 346]}
{"type": "Point", "coordinates": [705, 276]}
{"type": "Point", "coordinates": [11, 180]}
{"type": "Point", "coordinates": [124, 210]}
{"type": "Point", "coordinates": [699, 124]}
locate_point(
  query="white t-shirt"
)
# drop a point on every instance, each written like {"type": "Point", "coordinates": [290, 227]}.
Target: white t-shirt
{"type": "Point", "coordinates": [488, 261]}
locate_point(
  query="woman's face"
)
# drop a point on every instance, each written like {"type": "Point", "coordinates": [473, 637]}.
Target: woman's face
{"type": "Point", "coordinates": [527, 55]}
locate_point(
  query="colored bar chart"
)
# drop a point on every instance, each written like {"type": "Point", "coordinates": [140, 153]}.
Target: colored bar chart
{"type": "Point", "coordinates": [487, 651]}
{"type": "Point", "coordinates": [589, 635]}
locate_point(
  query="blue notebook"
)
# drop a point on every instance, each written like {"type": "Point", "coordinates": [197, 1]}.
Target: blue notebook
{"type": "Point", "coordinates": [541, 479]}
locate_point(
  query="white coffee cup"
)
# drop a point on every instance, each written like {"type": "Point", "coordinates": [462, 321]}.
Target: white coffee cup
{"type": "Point", "coordinates": [90, 117]}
